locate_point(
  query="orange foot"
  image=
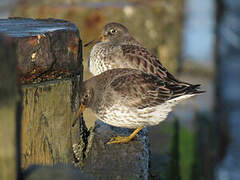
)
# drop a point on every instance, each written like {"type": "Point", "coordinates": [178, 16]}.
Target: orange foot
{"type": "Point", "coordinates": [124, 139]}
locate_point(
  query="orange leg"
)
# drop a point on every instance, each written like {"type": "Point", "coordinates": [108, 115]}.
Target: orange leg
{"type": "Point", "coordinates": [124, 139]}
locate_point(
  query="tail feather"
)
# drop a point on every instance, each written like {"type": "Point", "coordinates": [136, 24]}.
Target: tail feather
{"type": "Point", "coordinates": [187, 89]}
{"type": "Point", "coordinates": [194, 89]}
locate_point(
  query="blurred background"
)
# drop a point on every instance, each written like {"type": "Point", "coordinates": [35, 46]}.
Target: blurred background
{"type": "Point", "coordinates": [198, 41]}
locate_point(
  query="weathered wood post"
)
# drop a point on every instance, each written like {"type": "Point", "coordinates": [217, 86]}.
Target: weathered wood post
{"type": "Point", "coordinates": [49, 61]}
{"type": "Point", "coordinates": [10, 111]}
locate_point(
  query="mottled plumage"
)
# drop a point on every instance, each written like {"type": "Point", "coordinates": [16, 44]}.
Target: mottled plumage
{"type": "Point", "coordinates": [131, 98]}
{"type": "Point", "coordinates": [131, 88]}
{"type": "Point", "coordinates": [118, 49]}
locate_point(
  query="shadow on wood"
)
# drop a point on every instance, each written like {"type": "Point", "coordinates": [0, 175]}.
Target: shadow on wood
{"type": "Point", "coordinates": [10, 111]}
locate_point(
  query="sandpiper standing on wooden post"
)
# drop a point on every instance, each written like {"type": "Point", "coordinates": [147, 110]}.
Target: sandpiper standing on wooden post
{"type": "Point", "coordinates": [131, 88]}
{"type": "Point", "coordinates": [130, 98]}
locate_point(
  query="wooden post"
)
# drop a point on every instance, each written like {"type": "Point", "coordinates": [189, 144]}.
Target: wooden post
{"type": "Point", "coordinates": [49, 62]}
{"type": "Point", "coordinates": [10, 112]}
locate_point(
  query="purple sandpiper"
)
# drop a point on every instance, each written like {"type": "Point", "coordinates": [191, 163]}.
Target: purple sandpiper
{"type": "Point", "coordinates": [117, 48]}
{"type": "Point", "coordinates": [130, 98]}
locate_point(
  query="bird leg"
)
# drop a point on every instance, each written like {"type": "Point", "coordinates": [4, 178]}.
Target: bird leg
{"type": "Point", "coordinates": [124, 139]}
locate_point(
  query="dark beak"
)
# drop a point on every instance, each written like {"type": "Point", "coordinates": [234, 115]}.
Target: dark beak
{"type": "Point", "coordinates": [99, 39]}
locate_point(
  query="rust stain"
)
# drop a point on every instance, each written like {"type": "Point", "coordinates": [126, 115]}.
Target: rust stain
{"type": "Point", "coordinates": [33, 41]}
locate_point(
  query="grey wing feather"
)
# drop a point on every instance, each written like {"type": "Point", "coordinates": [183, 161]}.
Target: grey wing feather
{"type": "Point", "coordinates": [144, 90]}
{"type": "Point", "coordinates": [140, 91]}
{"type": "Point", "coordinates": [142, 59]}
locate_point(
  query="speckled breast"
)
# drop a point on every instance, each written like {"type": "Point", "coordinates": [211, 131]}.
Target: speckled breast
{"type": "Point", "coordinates": [98, 59]}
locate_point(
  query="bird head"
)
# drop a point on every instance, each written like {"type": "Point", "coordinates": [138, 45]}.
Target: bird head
{"type": "Point", "coordinates": [114, 32]}
{"type": "Point", "coordinates": [86, 97]}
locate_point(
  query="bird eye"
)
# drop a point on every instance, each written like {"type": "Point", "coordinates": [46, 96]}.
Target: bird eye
{"type": "Point", "coordinates": [86, 96]}
{"type": "Point", "coordinates": [113, 31]}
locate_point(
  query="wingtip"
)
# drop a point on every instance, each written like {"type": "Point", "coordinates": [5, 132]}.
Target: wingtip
{"type": "Point", "coordinates": [200, 92]}
{"type": "Point", "coordinates": [195, 89]}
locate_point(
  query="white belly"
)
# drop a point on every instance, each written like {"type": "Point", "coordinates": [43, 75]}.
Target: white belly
{"type": "Point", "coordinates": [133, 118]}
